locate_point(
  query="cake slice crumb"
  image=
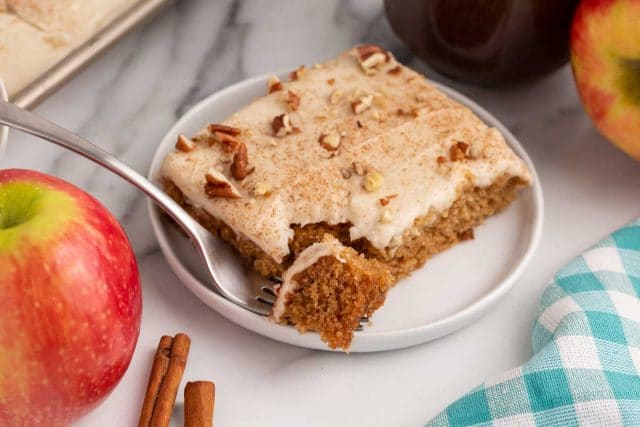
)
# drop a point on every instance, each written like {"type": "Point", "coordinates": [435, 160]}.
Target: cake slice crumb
{"type": "Point", "coordinates": [328, 288]}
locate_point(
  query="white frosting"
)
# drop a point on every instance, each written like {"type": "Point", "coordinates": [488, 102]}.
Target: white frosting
{"type": "Point", "coordinates": [307, 180]}
{"type": "Point", "coordinates": [308, 257]}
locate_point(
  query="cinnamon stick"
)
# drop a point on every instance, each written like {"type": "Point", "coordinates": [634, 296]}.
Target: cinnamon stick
{"type": "Point", "coordinates": [199, 398]}
{"type": "Point", "coordinates": [166, 373]}
{"type": "Point", "coordinates": [158, 371]}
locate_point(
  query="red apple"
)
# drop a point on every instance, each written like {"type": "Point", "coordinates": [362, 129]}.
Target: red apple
{"type": "Point", "coordinates": [605, 55]}
{"type": "Point", "coordinates": [70, 300]}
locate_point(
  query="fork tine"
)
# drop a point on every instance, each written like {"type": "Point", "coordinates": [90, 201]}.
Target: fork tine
{"type": "Point", "coordinates": [276, 279]}
{"type": "Point", "coordinates": [265, 301]}
{"type": "Point", "coordinates": [362, 322]}
{"type": "Point", "coordinates": [269, 290]}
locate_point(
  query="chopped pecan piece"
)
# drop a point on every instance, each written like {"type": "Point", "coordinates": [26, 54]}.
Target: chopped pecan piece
{"type": "Point", "coordinates": [458, 151]}
{"type": "Point", "coordinates": [385, 200]}
{"type": "Point", "coordinates": [239, 166]}
{"type": "Point", "coordinates": [296, 74]}
{"type": "Point", "coordinates": [262, 189]}
{"type": "Point", "coordinates": [367, 50]}
{"type": "Point", "coordinates": [330, 140]}
{"type": "Point", "coordinates": [372, 181]}
{"type": "Point", "coordinates": [370, 56]}
{"type": "Point", "coordinates": [227, 130]}
{"type": "Point", "coordinates": [441, 160]}
{"type": "Point", "coordinates": [413, 112]}
{"type": "Point", "coordinates": [395, 70]}
{"type": "Point", "coordinates": [184, 144]}
{"type": "Point", "coordinates": [330, 82]}
{"type": "Point", "coordinates": [274, 84]}
{"type": "Point", "coordinates": [362, 104]}
{"type": "Point", "coordinates": [358, 168]}
{"type": "Point", "coordinates": [217, 185]}
{"type": "Point", "coordinates": [293, 100]}
{"type": "Point", "coordinates": [229, 142]}
{"type": "Point", "coordinates": [281, 125]}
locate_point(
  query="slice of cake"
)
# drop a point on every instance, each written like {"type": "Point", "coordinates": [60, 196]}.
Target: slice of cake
{"type": "Point", "coordinates": [360, 148]}
{"type": "Point", "coordinates": [328, 289]}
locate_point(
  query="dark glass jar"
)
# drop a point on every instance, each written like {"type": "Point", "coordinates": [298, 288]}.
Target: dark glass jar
{"type": "Point", "coordinates": [491, 42]}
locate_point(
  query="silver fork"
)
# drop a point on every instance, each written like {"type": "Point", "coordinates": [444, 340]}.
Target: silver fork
{"type": "Point", "coordinates": [201, 238]}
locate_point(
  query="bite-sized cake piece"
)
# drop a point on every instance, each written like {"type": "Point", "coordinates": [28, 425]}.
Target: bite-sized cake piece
{"type": "Point", "coordinates": [328, 288]}
{"type": "Point", "coordinates": [361, 148]}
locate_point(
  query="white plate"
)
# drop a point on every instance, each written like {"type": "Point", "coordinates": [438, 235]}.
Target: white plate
{"type": "Point", "coordinates": [438, 299]}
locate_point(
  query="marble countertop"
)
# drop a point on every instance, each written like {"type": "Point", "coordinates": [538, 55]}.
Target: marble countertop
{"type": "Point", "coordinates": [126, 101]}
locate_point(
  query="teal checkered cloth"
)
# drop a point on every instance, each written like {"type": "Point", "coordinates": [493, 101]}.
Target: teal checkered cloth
{"type": "Point", "coordinates": [586, 343]}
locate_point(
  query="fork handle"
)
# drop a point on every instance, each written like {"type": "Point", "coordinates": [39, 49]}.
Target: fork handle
{"type": "Point", "coordinates": [33, 124]}
{"type": "Point", "coordinates": [26, 121]}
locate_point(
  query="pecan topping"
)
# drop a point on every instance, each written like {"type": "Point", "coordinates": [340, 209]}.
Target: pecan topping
{"type": "Point", "coordinates": [395, 70]}
{"type": "Point", "coordinates": [227, 130]}
{"type": "Point", "coordinates": [274, 84]}
{"type": "Point", "coordinates": [362, 104]}
{"type": "Point", "coordinates": [385, 200]}
{"type": "Point", "coordinates": [441, 160]}
{"type": "Point", "coordinates": [370, 56]}
{"type": "Point", "coordinates": [217, 185]}
{"type": "Point", "coordinates": [262, 189]}
{"type": "Point", "coordinates": [366, 51]}
{"type": "Point", "coordinates": [239, 166]}
{"type": "Point", "coordinates": [412, 112]}
{"type": "Point", "coordinates": [296, 74]}
{"type": "Point", "coordinates": [293, 100]}
{"type": "Point", "coordinates": [281, 125]}
{"type": "Point", "coordinates": [330, 82]}
{"type": "Point", "coordinates": [458, 151]}
{"type": "Point", "coordinates": [346, 173]}
{"type": "Point", "coordinates": [330, 140]}
{"type": "Point", "coordinates": [372, 181]}
{"type": "Point", "coordinates": [358, 168]}
{"type": "Point", "coordinates": [184, 144]}
{"type": "Point", "coordinates": [229, 142]}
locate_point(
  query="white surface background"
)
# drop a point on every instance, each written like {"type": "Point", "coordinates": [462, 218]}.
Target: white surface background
{"type": "Point", "coordinates": [127, 100]}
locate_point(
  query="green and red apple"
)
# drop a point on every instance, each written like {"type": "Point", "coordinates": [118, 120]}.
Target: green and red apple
{"type": "Point", "coordinates": [605, 55]}
{"type": "Point", "coordinates": [70, 301]}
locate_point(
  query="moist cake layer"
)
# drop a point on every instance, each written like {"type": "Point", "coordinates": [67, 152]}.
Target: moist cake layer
{"type": "Point", "coordinates": [328, 289]}
{"type": "Point", "coordinates": [341, 145]}
{"type": "Point", "coordinates": [427, 236]}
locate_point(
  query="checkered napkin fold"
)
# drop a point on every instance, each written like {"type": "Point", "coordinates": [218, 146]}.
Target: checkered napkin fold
{"type": "Point", "coordinates": [586, 342]}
